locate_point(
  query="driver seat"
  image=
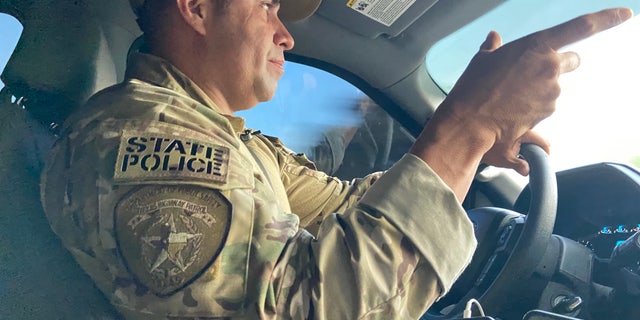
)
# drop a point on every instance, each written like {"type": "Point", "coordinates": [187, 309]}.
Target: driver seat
{"type": "Point", "coordinates": [68, 50]}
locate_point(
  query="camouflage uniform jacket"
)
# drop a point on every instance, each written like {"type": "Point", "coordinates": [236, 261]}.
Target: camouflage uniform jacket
{"type": "Point", "coordinates": [177, 212]}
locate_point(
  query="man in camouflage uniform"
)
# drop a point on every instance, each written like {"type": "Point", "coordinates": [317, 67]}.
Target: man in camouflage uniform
{"type": "Point", "coordinates": [177, 211]}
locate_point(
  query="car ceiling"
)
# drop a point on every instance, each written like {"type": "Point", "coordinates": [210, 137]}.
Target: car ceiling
{"type": "Point", "coordinates": [70, 49]}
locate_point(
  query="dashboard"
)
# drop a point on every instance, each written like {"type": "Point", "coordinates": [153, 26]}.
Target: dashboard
{"type": "Point", "coordinates": [598, 206]}
{"type": "Point", "coordinates": [607, 238]}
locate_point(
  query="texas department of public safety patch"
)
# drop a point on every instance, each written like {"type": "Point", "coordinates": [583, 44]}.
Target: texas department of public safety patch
{"type": "Point", "coordinates": [144, 156]}
{"type": "Point", "coordinates": [168, 235]}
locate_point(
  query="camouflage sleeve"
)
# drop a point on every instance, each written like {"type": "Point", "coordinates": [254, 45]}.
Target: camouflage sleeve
{"type": "Point", "coordinates": [385, 258]}
{"type": "Point", "coordinates": [313, 194]}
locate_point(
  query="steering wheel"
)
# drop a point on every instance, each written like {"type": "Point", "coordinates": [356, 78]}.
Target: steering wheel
{"type": "Point", "coordinates": [510, 244]}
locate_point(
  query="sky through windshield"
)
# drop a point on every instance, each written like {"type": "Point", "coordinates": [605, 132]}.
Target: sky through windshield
{"type": "Point", "coordinates": [598, 109]}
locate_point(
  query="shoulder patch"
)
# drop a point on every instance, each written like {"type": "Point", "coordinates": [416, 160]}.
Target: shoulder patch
{"type": "Point", "coordinates": [168, 235]}
{"type": "Point", "coordinates": [146, 156]}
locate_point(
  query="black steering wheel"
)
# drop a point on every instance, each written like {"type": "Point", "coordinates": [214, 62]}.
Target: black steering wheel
{"type": "Point", "coordinates": [510, 245]}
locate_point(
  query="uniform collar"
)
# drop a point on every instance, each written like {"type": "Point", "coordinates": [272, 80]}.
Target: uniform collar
{"type": "Point", "coordinates": [160, 72]}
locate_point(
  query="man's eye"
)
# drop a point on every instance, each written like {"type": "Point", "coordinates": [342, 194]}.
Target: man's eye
{"type": "Point", "coordinates": [267, 5]}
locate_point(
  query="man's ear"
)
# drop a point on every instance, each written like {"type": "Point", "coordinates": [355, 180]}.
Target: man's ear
{"type": "Point", "coordinates": [194, 12]}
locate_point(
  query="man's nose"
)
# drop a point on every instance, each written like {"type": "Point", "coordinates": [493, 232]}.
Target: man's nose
{"type": "Point", "coordinates": [282, 37]}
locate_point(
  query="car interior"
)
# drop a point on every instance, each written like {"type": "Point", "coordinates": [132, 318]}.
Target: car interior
{"type": "Point", "coordinates": [561, 245]}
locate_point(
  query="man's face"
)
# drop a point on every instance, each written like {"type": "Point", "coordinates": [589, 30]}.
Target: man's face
{"type": "Point", "coordinates": [246, 43]}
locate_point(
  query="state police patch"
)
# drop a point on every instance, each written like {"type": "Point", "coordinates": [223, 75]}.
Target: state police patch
{"type": "Point", "coordinates": [169, 235]}
{"type": "Point", "coordinates": [143, 156]}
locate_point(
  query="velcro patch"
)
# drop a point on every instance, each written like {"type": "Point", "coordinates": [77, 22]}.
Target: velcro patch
{"type": "Point", "coordinates": [144, 156]}
{"type": "Point", "coordinates": [168, 235]}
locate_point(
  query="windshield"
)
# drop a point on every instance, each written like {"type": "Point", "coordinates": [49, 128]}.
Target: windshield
{"type": "Point", "coordinates": [597, 110]}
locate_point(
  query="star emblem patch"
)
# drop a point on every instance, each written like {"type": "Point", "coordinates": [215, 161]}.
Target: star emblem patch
{"type": "Point", "coordinates": [168, 235]}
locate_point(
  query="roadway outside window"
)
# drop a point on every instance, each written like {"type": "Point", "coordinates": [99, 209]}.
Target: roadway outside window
{"type": "Point", "coordinates": [597, 112]}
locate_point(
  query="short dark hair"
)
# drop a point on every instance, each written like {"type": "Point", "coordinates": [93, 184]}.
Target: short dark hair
{"type": "Point", "coordinates": [153, 15]}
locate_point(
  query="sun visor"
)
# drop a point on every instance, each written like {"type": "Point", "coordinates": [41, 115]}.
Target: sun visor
{"type": "Point", "coordinates": [373, 18]}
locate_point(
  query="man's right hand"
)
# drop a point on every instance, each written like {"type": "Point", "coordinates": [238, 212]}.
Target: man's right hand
{"type": "Point", "coordinates": [507, 90]}
{"type": "Point", "coordinates": [504, 92]}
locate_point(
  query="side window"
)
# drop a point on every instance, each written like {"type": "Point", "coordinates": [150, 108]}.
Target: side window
{"type": "Point", "coordinates": [336, 125]}
{"type": "Point", "coordinates": [10, 30]}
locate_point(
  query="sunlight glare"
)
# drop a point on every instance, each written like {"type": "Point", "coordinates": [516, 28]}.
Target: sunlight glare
{"type": "Point", "coordinates": [597, 113]}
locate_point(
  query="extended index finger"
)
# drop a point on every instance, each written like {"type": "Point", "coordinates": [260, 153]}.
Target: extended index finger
{"type": "Point", "coordinates": [582, 27]}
